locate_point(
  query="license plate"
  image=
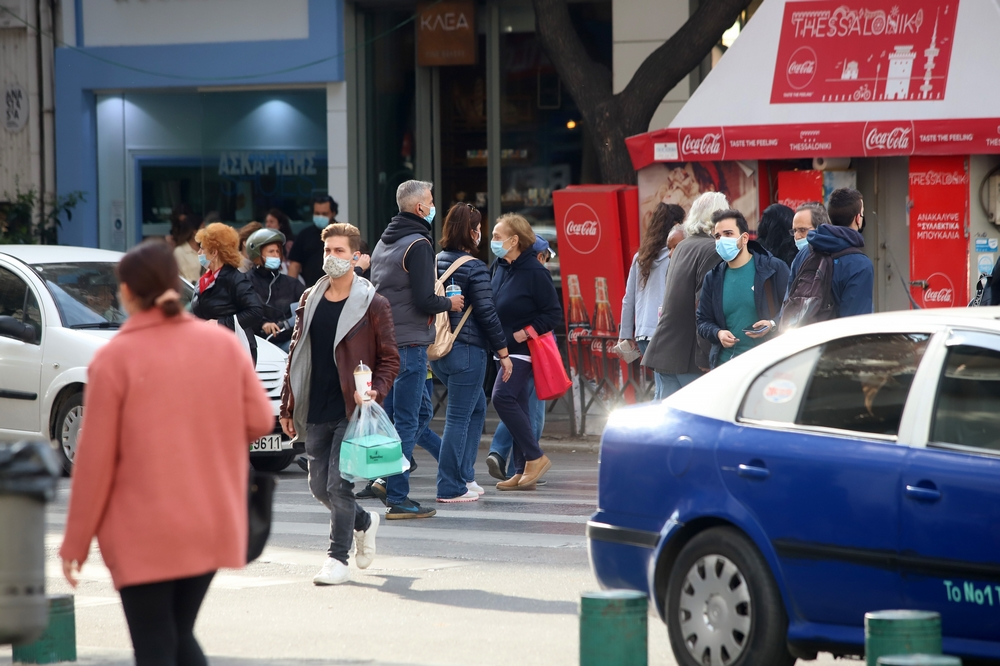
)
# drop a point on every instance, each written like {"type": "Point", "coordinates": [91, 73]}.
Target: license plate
{"type": "Point", "coordinates": [267, 443]}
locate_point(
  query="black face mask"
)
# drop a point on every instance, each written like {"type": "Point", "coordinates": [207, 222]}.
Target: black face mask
{"type": "Point", "coordinates": [862, 229]}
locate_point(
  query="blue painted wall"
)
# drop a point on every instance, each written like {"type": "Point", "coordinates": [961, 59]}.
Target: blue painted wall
{"type": "Point", "coordinates": [78, 75]}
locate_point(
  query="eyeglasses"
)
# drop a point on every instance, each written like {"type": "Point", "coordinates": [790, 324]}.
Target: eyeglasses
{"type": "Point", "coordinates": [800, 231]}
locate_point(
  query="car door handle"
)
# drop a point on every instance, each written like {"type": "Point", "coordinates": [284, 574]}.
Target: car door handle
{"type": "Point", "coordinates": [753, 472]}
{"type": "Point", "coordinates": [923, 494]}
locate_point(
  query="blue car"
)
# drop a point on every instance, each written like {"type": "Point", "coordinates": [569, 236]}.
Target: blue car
{"type": "Point", "coordinates": [845, 467]}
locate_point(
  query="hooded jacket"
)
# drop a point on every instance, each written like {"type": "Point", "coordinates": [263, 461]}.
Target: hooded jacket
{"type": "Point", "coordinates": [642, 301]}
{"type": "Point", "coordinates": [524, 296]}
{"type": "Point", "coordinates": [853, 274]}
{"type": "Point", "coordinates": [403, 271]}
{"type": "Point", "coordinates": [364, 334]}
{"type": "Point", "coordinates": [769, 284]}
{"type": "Point", "coordinates": [482, 328]}
{"type": "Point", "coordinates": [277, 292]}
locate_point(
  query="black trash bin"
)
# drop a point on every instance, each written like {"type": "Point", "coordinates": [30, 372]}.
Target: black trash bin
{"type": "Point", "coordinates": [29, 472]}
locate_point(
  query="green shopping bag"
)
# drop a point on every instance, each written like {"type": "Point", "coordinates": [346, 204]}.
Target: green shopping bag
{"type": "Point", "coordinates": [371, 447]}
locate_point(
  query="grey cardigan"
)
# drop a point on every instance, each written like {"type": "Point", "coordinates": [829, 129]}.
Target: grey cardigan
{"type": "Point", "coordinates": [639, 309]}
{"type": "Point", "coordinates": [675, 348]}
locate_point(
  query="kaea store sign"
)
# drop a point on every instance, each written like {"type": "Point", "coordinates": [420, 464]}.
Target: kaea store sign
{"type": "Point", "coordinates": [446, 34]}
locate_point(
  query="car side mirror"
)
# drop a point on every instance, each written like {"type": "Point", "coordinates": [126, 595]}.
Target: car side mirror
{"type": "Point", "coordinates": [14, 328]}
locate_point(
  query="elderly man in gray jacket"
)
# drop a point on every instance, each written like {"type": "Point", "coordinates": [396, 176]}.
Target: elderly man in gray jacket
{"type": "Point", "coordinates": [675, 352]}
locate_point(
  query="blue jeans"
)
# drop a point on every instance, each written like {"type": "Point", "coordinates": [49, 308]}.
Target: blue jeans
{"type": "Point", "coordinates": [463, 370]}
{"type": "Point", "coordinates": [428, 440]}
{"type": "Point", "coordinates": [503, 442]}
{"type": "Point", "coordinates": [411, 411]}
{"type": "Point", "coordinates": [670, 384]}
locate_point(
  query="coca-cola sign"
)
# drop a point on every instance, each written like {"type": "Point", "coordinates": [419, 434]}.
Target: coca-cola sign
{"type": "Point", "coordinates": [888, 139]}
{"type": "Point", "coordinates": [940, 292]}
{"type": "Point", "coordinates": [581, 228]}
{"type": "Point", "coordinates": [801, 68]}
{"type": "Point", "coordinates": [711, 144]}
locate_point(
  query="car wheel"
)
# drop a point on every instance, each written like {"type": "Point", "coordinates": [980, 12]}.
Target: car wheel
{"type": "Point", "coordinates": [272, 463]}
{"type": "Point", "coordinates": [723, 606]}
{"type": "Point", "coordinates": [67, 430]}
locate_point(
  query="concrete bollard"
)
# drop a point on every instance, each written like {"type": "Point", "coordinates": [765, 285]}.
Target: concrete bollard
{"type": "Point", "coordinates": [613, 628]}
{"type": "Point", "coordinates": [919, 660]}
{"type": "Point", "coordinates": [901, 632]}
{"type": "Point", "coordinates": [58, 643]}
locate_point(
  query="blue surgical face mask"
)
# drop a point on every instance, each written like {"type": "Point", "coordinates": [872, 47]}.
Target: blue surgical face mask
{"type": "Point", "coordinates": [801, 243]}
{"type": "Point", "coordinates": [727, 248]}
{"type": "Point", "coordinates": [272, 263]}
{"type": "Point", "coordinates": [203, 260]}
{"type": "Point", "coordinates": [430, 216]}
{"type": "Point", "coordinates": [498, 249]}
{"type": "Point", "coordinates": [321, 221]}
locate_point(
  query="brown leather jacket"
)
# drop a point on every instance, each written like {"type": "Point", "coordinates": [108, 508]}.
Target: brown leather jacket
{"type": "Point", "coordinates": [371, 340]}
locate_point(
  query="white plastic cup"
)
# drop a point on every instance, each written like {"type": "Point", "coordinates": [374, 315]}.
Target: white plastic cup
{"type": "Point", "coordinates": [363, 380]}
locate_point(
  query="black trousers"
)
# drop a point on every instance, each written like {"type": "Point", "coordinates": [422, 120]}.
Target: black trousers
{"type": "Point", "coordinates": [161, 620]}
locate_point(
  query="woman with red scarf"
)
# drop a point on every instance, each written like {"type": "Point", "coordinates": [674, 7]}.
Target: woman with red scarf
{"type": "Point", "coordinates": [224, 293]}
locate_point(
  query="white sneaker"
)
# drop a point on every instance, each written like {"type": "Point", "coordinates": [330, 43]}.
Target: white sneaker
{"type": "Point", "coordinates": [470, 496]}
{"type": "Point", "coordinates": [365, 543]}
{"type": "Point", "coordinates": [334, 572]}
{"type": "Point", "coordinates": [472, 485]}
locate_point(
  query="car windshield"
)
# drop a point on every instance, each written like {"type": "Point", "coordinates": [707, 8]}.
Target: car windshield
{"type": "Point", "coordinates": [87, 293]}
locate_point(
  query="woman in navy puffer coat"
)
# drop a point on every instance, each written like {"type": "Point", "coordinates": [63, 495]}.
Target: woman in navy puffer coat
{"type": "Point", "coordinates": [463, 369]}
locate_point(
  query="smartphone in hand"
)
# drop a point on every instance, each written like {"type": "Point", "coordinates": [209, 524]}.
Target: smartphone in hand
{"type": "Point", "coordinates": [756, 330]}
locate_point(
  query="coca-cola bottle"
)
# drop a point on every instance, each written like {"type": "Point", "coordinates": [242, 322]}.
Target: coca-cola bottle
{"type": "Point", "coordinates": [606, 334]}
{"type": "Point", "coordinates": [577, 325]}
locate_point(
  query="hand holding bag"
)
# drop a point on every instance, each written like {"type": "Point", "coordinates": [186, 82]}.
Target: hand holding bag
{"type": "Point", "coordinates": [551, 380]}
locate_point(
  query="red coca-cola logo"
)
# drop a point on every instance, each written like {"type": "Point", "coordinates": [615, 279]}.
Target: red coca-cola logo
{"type": "Point", "coordinates": [707, 145]}
{"type": "Point", "coordinates": [801, 69]}
{"type": "Point", "coordinates": [940, 292]}
{"type": "Point", "coordinates": [581, 228]}
{"type": "Point", "coordinates": [895, 138]}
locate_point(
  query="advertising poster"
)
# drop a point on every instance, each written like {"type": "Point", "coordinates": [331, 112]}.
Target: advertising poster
{"type": "Point", "coordinates": [682, 182]}
{"type": "Point", "coordinates": [878, 50]}
{"type": "Point", "coordinates": [939, 218]}
{"type": "Point", "coordinates": [799, 187]}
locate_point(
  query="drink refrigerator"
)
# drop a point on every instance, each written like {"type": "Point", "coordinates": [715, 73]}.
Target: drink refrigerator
{"type": "Point", "coordinates": [598, 230]}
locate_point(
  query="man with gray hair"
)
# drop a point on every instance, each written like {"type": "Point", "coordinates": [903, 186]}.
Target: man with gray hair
{"type": "Point", "coordinates": [404, 272]}
{"type": "Point", "coordinates": [808, 216]}
{"type": "Point", "coordinates": [675, 352]}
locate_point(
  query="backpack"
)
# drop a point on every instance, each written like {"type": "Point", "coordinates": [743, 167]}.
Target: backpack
{"type": "Point", "coordinates": [444, 337]}
{"type": "Point", "coordinates": [810, 297]}
{"type": "Point", "coordinates": [984, 291]}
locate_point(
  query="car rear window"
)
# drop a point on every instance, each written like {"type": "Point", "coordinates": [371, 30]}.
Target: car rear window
{"type": "Point", "coordinates": [859, 383]}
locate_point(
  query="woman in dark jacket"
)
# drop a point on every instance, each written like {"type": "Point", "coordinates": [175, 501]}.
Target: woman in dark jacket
{"type": "Point", "coordinates": [277, 292]}
{"type": "Point", "coordinates": [224, 292]}
{"type": "Point", "coordinates": [524, 296]}
{"type": "Point", "coordinates": [463, 369]}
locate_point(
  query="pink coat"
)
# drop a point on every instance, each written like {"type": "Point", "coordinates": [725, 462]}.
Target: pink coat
{"type": "Point", "coordinates": [161, 469]}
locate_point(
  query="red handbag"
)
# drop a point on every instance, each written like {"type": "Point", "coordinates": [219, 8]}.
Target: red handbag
{"type": "Point", "coordinates": [551, 380]}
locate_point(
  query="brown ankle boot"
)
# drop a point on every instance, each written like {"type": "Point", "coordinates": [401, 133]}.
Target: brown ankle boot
{"type": "Point", "coordinates": [509, 484]}
{"type": "Point", "coordinates": [534, 470]}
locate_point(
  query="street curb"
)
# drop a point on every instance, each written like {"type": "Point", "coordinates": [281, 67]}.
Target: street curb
{"type": "Point", "coordinates": [557, 444]}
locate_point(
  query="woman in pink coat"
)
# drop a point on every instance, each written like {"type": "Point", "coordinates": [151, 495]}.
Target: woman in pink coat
{"type": "Point", "coordinates": [161, 470]}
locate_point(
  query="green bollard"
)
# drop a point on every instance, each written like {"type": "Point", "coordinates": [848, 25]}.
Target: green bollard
{"type": "Point", "coordinates": [899, 632]}
{"type": "Point", "coordinates": [58, 643]}
{"type": "Point", "coordinates": [919, 660]}
{"type": "Point", "coordinates": [613, 628]}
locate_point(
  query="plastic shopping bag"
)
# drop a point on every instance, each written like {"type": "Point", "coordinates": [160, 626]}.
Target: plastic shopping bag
{"type": "Point", "coordinates": [371, 447]}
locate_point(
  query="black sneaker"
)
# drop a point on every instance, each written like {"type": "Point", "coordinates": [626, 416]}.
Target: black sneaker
{"type": "Point", "coordinates": [413, 464]}
{"type": "Point", "coordinates": [496, 466]}
{"type": "Point", "coordinates": [366, 493]}
{"type": "Point", "coordinates": [378, 490]}
{"type": "Point", "coordinates": [408, 509]}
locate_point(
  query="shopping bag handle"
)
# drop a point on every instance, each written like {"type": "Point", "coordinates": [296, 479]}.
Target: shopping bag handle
{"type": "Point", "coordinates": [531, 332]}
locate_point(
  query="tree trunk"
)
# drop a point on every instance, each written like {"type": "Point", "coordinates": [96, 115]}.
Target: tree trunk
{"type": "Point", "coordinates": [612, 118]}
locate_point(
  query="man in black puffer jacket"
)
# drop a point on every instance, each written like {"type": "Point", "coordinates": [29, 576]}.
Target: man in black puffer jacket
{"type": "Point", "coordinates": [463, 369]}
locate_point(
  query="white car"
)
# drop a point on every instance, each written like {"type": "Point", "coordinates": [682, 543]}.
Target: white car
{"type": "Point", "coordinates": [58, 305]}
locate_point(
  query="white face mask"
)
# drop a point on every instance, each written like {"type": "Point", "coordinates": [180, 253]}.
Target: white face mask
{"type": "Point", "coordinates": [336, 267]}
